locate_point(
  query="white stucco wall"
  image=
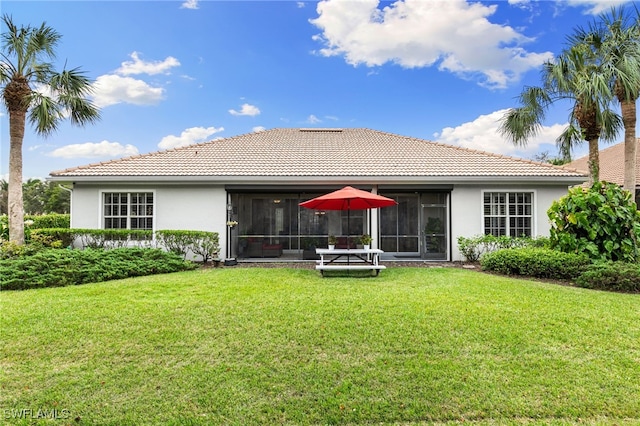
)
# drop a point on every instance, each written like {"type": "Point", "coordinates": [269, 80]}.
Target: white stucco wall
{"type": "Point", "coordinates": [203, 207]}
{"type": "Point", "coordinates": [466, 209]}
{"type": "Point", "coordinates": [195, 207]}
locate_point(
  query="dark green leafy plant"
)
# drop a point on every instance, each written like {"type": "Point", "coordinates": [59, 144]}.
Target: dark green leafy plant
{"type": "Point", "coordinates": [602, 221]}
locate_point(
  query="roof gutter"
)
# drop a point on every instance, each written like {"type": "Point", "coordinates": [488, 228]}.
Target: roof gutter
{"type": "Point", "coordinates": [306, 180]}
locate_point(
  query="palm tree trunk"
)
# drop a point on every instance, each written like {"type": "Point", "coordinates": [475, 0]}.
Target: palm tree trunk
{"type": "Point", "coordinates": [16, 202]}
{"type": "Point", "coordinates": [594, 161]}
{"type": "Point", "coordinates": [628, 109]}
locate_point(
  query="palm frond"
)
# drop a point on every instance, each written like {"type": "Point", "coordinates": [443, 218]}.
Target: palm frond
{"type": "Point", "coordinates": [45, 114]}
{"type": "Point", "coordinates": [568, 140]}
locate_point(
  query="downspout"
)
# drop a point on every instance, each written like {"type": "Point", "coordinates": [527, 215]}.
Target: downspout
{"type": "Point", "coordinates": [70, 202]}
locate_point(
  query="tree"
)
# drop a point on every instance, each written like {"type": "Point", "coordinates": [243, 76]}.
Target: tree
{"type": "Point", "coordinates": [33, 196]}
{"type": "Point", "coordinates": [57, 199]}
{"type": "Point", "coordinates": [545, 157]}
{"type": "Point", "coordinates": [31, 87]}
{"type": "Point", "coordinates": [577, 77]}
{"type": "Point", "coordinates": [615, 40]}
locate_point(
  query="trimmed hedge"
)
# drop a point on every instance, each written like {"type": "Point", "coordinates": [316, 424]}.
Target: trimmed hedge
{"type": "Point", "coordinates": [35, 222]}
{"type": "Point", "coordinates": [57, 268]}
{"type": "Point", "coordinates": [612, 276]}
{"type": "Point", "coordinates": [535, 262]}
{"type": "Point", "coordinates": [473, 248]}
{"type": "Point", "coordinates": [200, 243]}
{"type": "Point", "coordinates": [49, 220]}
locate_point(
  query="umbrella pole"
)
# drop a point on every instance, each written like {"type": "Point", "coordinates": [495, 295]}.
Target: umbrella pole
{"type": "Point", "coordinates": [348, 230]}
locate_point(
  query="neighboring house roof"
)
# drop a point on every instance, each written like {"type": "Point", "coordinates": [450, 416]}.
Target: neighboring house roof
{"type": "Point", "coordinates": [611, 164]}
{"type": "Point", "coordinates": [292, 153]}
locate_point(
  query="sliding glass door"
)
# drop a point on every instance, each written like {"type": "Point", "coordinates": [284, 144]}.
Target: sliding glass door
{"type": "Point", "coordinates": [417, 227]}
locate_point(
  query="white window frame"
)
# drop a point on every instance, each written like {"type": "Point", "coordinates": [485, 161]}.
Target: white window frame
{"type": "Point", "coordinates": [534, 201]}
{"type": "Point", "coordinates": [101, 215]}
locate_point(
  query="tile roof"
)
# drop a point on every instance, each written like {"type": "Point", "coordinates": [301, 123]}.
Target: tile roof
{"type": "Point", "coordinates": [319, 153]}
{"type": "Point", "coordinates": [611, 164]}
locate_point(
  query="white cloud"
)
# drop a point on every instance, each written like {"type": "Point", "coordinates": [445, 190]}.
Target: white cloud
{"type": "Point", "coordinates": [312, 119]}
{"type": "Point", "coordinates": [596, 7]}
{"type": "Point", "coordinates": [188, 137]}
{"type": "Point", "coordinates": [482, 134]}
{"type": "Point", "coordinates": [454, 35]}
{"type": "Point", "coordinates": [138, 66]}
{"type": "Point", "coordinates": [259, 129]}
{"type": "Point", "coordinates": [104, 149]}
{"type": "Point", "coordinates": [246, 109]}
{"type": "Point", "coordinates": [300, 4]}
{"type": "Point", "coordinates": [189, 4]}
{"type": "Point", "coordinates": [113, 89]}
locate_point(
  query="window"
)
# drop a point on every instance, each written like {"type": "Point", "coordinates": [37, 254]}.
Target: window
{"type": "Point", "coordinates": [128, 210]}
{"type": "Point", "coordinates": [508, 213]}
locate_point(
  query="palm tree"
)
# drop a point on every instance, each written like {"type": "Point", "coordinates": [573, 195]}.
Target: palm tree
{"type": "Point", "coordinates": [30, 86]}
{"type": "Point", "coordinates": [615, 40]}
{"type": "Point", "coordinates": [576, 77]}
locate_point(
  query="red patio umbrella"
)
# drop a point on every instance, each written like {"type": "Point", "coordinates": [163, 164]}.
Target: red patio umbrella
{"type": "Point", "coordinates": [348, 198]}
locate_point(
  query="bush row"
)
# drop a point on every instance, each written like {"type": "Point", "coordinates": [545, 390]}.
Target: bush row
{"type": "Point", "coordinates": [548, 263]}
{"type": "Point", "coordinates": [473, 248]}
{"type": "Point", "coordinates": [613, 276]}
{"type": "Point", "coordinates": [57, 268]}
{"type": "Point", "coordinates": [51, 220]}
{"type": "Point", "coordinates": [535, 262]}
{"type": "Point", "coordinates": [181, 242]}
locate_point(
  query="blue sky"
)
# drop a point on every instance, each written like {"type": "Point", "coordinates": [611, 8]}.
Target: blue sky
{"type": "Point", "coordinates": [172, 73]}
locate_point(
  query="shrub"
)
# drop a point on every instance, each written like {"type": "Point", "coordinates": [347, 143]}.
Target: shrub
{"type": "Point", "coordinates": [4, 227]}
{"type": "Point", "coordinates": [11, 250]}
{"type": "Point", "coordinates": [112, 238]}
{"type": "Point", "coordinates": [202, 243]}
{"type": "Point", "coordinates": [177, 242]}
{"type": "Point", "coordinates": [473, 248]}
{"type": "Point", "coordinates": [56, 268]}
{"type": "Point", "coordinates": [205, 244]}
{"type": "Point", "coordinates": [535, 262]}
{"type": "Point", "coordinates": [50, 220]}
{"type": "Point", "coordinates": [49, 236]}
{"type": "Point", "coordinates": [601, 221]}
{"type": "Point", "coordinates": [613, 276]}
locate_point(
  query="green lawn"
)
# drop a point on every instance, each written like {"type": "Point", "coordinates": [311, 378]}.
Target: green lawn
{"type": "Point", "coordinates": [246, 346]}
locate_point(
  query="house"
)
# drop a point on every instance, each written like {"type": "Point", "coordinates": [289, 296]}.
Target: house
{"type": "Point", "coordinates": [611, 166]}
{"type": "Point", "coordinates": [259, 179]}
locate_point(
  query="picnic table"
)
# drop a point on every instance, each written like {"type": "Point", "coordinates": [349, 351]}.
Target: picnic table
{"type": "Point", "coordinates": [349, 260]}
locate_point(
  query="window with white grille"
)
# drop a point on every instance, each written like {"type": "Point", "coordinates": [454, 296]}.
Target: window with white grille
{"type": "Point", "coordinates": [128, 210]}
{"type": "Point", "coordinates": [508, 213]}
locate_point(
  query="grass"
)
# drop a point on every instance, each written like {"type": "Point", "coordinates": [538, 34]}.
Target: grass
{"type": "Point", "coordinates": [246, 346]}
